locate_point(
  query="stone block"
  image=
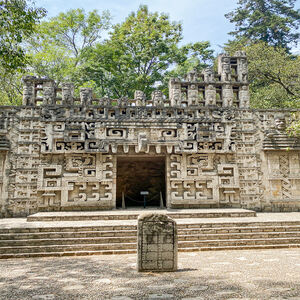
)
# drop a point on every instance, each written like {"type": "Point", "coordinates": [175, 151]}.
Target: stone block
{"type": "Point", "coordinates": [157, 243]}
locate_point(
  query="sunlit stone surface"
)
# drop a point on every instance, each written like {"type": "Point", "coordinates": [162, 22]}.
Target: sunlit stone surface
{"type": "Point", "coordinates": [200, 148]}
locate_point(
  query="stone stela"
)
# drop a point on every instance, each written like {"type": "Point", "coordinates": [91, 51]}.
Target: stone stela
{"type": "Point", "coordinates": [157, 243]}
{"type": "Point", "coordinates": [202, 147]}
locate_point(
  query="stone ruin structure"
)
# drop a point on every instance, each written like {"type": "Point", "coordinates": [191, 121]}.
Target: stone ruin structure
{"type": "Point", "coordinates": [200, 148]}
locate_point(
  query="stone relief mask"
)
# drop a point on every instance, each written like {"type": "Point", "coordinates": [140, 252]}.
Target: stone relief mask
{"type": "Point", "coordinates": [280, 123]}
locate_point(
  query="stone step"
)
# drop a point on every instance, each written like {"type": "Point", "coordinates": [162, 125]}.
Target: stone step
{"type": "Point", "coordinates": [124, 233]}
{"type": "Point", "coordinates": [61, 245]}
{"type": "Point", "coordinates": [67, 229]}
{"type": "Point", "coordinates": [225, 225]}
{"type": "Point", "coordinates": [64, 248]}
{"type": "Point", "coordinates": [226, 236]}
{"type": "Point", "coordinates": [55, 239]}
{"type": "Point", "coordinates": [246, 229]}
{"type": "Point", "coordinates": [133, 215]}
{"type": "Point", "coordinates": [181, 226]}
{"type": "Point", "coordinates": [233, 242]}
{"type": "Point", "coordinates": [132, 251]}
{"type": "Point", "coordinates": [68, 241]}
{"type": "Point", "coordinates": [248, 247]}
{"type": "Point", "coordinates": [115, 237]}
{"type": "Point", "coordinates": [57, 235]}
{"type": "Point", "coordinates": [131, 229]}
{"type": "Point", "coordinates": [220, 226]}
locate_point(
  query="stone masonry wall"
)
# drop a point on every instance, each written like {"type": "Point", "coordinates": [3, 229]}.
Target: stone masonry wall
{"type": "Point", "coordinates": [60, 153]}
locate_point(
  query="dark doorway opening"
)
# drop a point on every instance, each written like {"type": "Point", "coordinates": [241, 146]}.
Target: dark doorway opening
{"type": "Point", "coordinates": [140, 173]}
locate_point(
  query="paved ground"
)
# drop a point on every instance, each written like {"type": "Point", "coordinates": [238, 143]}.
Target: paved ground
{"type": "Point", "coordinates": [255, 274]}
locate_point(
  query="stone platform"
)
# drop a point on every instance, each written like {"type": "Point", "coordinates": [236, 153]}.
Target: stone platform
{"type": "Point", "coordinates": [19, 238]}
{"type": "Point", "coordinates": [132, 214]}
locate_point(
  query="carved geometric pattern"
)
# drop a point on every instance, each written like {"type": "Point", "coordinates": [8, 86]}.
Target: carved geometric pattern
{"type": "Point", "coordinates": [58, 152]}
{"type": "Point", "coordinates": [203, 179]}
{"type": "Point", "coordinates": [285, 170]}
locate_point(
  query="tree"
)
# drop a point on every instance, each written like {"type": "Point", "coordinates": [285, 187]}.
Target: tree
{"type": "Point", "coordinates": [272, 21]}
{"type": "Point", "coordinates": [137, 54]}
{"type": "Point", "coordinates": [17, 21]}
{"type": "Point", "coordinates": [11, 88]}
{"type": "Point", "coordinates": [294, 126]}
{"type": "Point", "coordinates": [196, 56]}
{"type": "Point", "coordinates": [75, 30]}
{"type": "Point", "coordinates": [273, 75]}
{"type": "Point", "coordinates": [56, 50]}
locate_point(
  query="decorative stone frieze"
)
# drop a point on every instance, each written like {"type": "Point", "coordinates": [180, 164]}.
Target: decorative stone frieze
{"type": "Point", "coordinates": [58, 152]}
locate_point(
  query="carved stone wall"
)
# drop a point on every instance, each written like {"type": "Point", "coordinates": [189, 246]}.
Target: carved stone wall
{"type": "Point", "coordinates": [58, 152]}
{"type": "Point", "coordinates": [282, 181]}
{"type": "Point", "coordinates": [76, 181]}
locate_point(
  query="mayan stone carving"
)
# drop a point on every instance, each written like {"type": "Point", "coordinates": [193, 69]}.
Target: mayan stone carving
{"type": "Point", "coordinates": [157, 243]}
{"type": "Point", "coordinates": [202, 147]}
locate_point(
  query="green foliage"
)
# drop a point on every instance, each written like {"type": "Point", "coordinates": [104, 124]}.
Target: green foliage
{"type": "Point", "coordinates": [294, 128]}
{"type": "Point", "coordinates": [196, 56]}
{"type": "Point", "coordinates": [57, 49]}
{"type": "Point", "coordinates": [138, 53]}
{"type": "Point", "coordinates": [273, 75]}
{"type": "Point", "coordinates": [265, 30]}
{"type": "Point", "coordinates": [11, 88]}
{"type": "Point", "coordinates": [75, 30]}
{"type": "Point", "coordinates": [47, 59]}
{"type": "Point", "coordinates": [272, 21]}
{"type": "Point", "coordinates": [17, 21]}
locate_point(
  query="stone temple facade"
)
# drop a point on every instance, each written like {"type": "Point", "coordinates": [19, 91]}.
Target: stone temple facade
{"type": "Point", "coordinates": [200, 148]}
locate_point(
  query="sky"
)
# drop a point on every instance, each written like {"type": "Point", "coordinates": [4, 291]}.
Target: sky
{"type": "Point", "coordinates": [203, 20]}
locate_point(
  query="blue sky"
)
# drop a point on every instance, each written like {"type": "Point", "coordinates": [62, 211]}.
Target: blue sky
{"type": "Point", "coordinates": [203, 20]}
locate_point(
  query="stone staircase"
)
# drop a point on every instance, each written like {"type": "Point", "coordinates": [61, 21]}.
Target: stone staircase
{"type": "Point", "coordinates": [239, 235]}
{"type": "Point", "coordinates": [60, 241]}
{"type": "Point", "coordinates": [133, 214]}
{"type": "Point", "coordinates": [194, 234]}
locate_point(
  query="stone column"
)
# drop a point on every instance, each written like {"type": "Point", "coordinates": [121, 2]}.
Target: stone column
{"type": "Point", "coordinates": [67, 93]}
{"type": "Point", "coordinates": [48, 92]}
{"type": "Point", "coordinates": [86, 96]}
{"type": "Point", "coordinates": [227, 95]}
{"type": "Point", "coordinates": [210, 95]}
{"type": "Point", "coordinates": [140, 98]}
{"type": "Point", "coordinates": [157, 243]}
{"type": "Point", "coordinates": [224, 68]}
{"type": "Point", "coordinates": [3, 176]}
{"type": "Point", "coordinates": [175, 91]}
{"type": "Point", "coordinates": [28, 90]}
{"type": "Point", "coordinates": [242, 66]}
{"type": "Point", "coordinates": [157, 98]}
{"type": "Point", "coordinates": [244, 96]}
{"type": "Point", "coordinates": [192, 94]}
{"type": "Point", "coordinates": [208, 75]}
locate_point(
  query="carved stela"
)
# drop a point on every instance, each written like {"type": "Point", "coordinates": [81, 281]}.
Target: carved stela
{"type": "Point", "coordinates": [202, 147]}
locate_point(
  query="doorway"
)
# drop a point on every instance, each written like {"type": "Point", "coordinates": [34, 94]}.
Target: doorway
{"type": "Point", "coordinates": [136, 174]}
